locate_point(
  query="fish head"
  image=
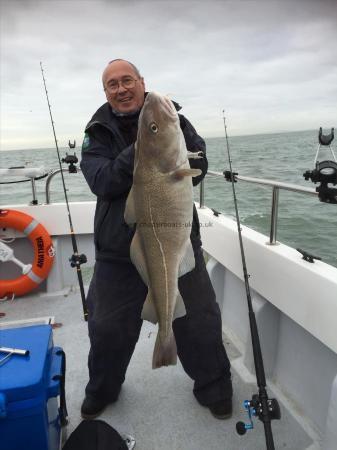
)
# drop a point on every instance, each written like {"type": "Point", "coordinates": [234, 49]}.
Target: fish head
{"type": "Point", "coordinates": [160, 141]}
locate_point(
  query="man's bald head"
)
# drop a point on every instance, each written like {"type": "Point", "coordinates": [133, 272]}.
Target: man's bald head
{"type": "Point", "coordinates": [118, 74]}
{"type": "Point", "coordinates": [135, 70]}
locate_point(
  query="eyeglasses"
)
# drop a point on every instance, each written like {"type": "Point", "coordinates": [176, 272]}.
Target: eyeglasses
{"type": "Point", "coordinates": [127, 83]}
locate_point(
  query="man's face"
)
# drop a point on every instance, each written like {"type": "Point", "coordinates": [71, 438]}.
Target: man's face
{"type": "Point", "coordinates": [124, 99]}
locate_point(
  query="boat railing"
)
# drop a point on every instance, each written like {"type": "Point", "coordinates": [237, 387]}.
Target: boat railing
{"type": "Point", "coordinates": [275, 185]}
{"type": "Point", "coordinates": [51, 176]}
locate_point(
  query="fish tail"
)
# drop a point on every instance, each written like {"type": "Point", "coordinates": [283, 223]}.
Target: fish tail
{"type": "Point", "coordinates": [165, 352]}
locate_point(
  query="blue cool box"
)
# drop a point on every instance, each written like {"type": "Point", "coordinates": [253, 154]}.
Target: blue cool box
{"type": "Point", "coordinates": [29, 390]}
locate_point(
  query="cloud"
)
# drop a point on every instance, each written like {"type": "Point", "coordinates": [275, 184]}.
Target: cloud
{"type": "Point", "coordinates": [271, 65]}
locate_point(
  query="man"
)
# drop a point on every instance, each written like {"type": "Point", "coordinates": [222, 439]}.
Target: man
{"type": "Point", "coordinates": [117, 293]}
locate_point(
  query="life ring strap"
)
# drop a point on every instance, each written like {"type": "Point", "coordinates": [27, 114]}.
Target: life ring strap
{"type": "Point", "coordinates": [35, 278]}
{"type": "Point", "coordinates": [31, 227]}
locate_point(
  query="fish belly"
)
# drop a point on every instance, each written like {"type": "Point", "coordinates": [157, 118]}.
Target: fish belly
{"type": "Point", "coordinates": [164, 215]}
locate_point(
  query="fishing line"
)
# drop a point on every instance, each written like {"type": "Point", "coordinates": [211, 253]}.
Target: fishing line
{"type": "Point", "coordinates": [76, 260]}
{"type": "Point", "coordinates": [260, 405]}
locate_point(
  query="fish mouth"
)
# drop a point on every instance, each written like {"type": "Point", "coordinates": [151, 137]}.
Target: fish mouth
{"type": "Point", "coordinates": [168, 106]}
{"type": "Point", "coordinates": [163, 103]}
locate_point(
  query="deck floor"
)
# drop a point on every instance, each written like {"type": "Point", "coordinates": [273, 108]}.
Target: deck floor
{"type": "Point", "coordinates": [156, 407]}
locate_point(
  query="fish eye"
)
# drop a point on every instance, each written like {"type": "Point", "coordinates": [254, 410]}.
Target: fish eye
{"type": "Point", "coordinates": [153, 127]}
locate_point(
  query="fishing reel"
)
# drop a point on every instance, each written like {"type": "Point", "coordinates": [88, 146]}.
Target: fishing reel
{"type": "Point", "coordinates": [71, 160]}
{"type": "Point", "coordinates": [254, 408]}
{"type": "Point", "coordinates": [325, 172]}
{"type": "Point", "coordinates": [77, 260]}
{"type": "Point", "coordinates": [230, 176]}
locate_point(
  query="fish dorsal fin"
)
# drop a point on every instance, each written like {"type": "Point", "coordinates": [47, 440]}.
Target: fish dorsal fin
{"type": "Point", "coordinates": [179, 174]}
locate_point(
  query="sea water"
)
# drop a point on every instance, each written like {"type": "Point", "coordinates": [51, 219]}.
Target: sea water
{"type": "Point", "coordinates": [303, 221]}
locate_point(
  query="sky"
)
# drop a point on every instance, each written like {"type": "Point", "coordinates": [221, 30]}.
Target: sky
{"type": "Point", "coordinates": [271, 65]}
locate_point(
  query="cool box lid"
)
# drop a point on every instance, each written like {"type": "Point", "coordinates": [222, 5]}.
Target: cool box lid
{"type": "Point", "coordinates": [25, 377]}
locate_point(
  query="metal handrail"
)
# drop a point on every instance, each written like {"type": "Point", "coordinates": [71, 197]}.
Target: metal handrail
{"type": "Point", "coordinates": [276, 186]}
{"type": "Point", "coordinates": [50, 177]}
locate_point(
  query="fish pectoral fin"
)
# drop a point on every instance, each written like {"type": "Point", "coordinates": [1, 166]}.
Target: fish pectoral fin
{"type": "Point", "coordinates": [188, 262]}
{"type": "Point", "coordinates": [129, 213]}
{"type": "Point", "coordinates": [181, 173]}
{"type": "Point", "coordinates": [179, 310]}
{"type": "Point", "coordinates": [149, 312]}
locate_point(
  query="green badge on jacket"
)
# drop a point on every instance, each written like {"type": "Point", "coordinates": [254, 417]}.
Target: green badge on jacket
{"type": "Point", "coordinates": [86, 142]}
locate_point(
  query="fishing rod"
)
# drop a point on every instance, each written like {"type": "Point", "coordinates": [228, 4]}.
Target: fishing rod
{"type": "Point", "coordinates": [260, 405]}
{"type": "Point", "coordinates": [76, 259]}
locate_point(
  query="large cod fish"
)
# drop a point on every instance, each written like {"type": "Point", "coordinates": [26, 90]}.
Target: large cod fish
{"type": "Point", "coordinates": [160, 203]}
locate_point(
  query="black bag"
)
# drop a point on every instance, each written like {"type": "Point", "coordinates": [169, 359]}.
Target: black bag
{"type": "Point", "coordinates": [95, 435]}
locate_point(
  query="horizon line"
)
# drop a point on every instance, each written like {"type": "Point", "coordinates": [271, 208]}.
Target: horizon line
{"type": "Point", "coordinates": [210, 137]}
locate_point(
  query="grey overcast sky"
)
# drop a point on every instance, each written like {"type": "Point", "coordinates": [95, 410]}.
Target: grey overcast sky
{"type": "Point", "coordinates": [272, 65]}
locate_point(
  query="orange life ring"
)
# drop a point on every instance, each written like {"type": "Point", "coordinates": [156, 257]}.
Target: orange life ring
{"type": "Point", "coordinates": [43, 252]}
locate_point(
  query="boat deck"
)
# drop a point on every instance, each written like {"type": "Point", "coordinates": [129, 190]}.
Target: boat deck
{"type": "Point", "coordinates": [156, 407]}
